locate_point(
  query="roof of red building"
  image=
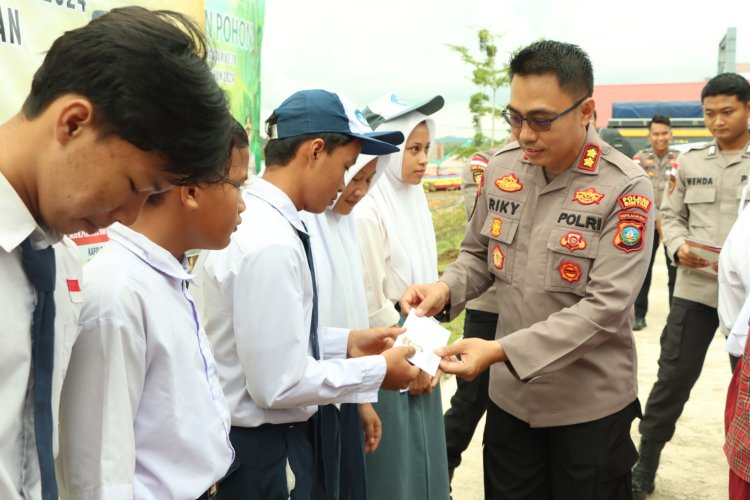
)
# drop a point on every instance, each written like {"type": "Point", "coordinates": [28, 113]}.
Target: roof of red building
{"type": "Point", "coordinates": [605, 95]}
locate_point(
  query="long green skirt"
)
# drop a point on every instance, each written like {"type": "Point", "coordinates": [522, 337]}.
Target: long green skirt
{"type": "Point", "coordinates": [411, 462]}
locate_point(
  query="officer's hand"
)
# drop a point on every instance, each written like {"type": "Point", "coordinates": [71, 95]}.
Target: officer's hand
{"type": "Point", "coordinates": [689, 259]}
{"type": "Point", "coordinates": [476, 356]}
{"type": "Point", "coordinates": [371, 425]}
{"type": "Point", "coordinates": [372, 341]}
{"type": "Point", "coordinates": [429, 299]}
{"type": "Point", "coordinates": [421, 385]}
{"type": "Point", "coordinates": [399, 372]}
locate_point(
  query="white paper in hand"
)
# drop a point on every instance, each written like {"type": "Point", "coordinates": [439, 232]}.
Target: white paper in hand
{"type": "Point", "coordinates": [424, 334]}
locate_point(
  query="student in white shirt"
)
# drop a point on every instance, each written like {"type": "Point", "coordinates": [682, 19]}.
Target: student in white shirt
{"type": "Point", "coordinates": [734, 285]}
{"type": "Point", "coordinates": [143, 415]}
{"type": "Point", "coordinates": [398, 249]}
{"type": "Point", "coordinates": [277, 363]}
{"type": "Point", "coordinates": [92, 140]}
{"type": "Point", "coordinates": [342, 303]}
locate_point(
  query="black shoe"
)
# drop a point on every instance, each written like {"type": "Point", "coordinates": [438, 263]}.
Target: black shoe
{"type": "Point", "coordinates": [639, 324]}
{"type": "Point", "coordinates": [644, 471]}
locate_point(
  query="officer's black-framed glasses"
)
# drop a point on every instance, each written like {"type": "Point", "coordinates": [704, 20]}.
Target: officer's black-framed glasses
{"type": "Point", "coordinates": [538, 124]}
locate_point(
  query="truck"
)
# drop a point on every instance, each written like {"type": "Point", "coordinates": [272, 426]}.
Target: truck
{"type": "Point", "coordinates": [627, 131]}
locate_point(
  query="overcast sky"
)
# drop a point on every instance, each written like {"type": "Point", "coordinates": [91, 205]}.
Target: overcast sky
{"type": "Point", "coordinates": [365, 49]}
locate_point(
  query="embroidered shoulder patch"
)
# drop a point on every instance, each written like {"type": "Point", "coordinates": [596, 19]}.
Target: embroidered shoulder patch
{"type": "Point", "coordinates": [570, 271]}
{"type": "Point", "coordinates": [509, 183]}
{"type": "Point", "coordinates": [629, 234]}
{"type": "Point", "coordinates": [590, 157]}
{"type": "Point", "coordinates": [497, 227]}
{"type": "Point", "coordinates": [628, 201]}
{"type": "Point", "coordinates": [587, 196]}
{"type": "Point", "coordinates": [478, 165]}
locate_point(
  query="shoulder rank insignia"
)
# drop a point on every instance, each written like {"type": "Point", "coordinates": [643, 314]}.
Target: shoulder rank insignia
{"type": "Point", "coordinates": [587, 196]}
{"type": "Point", "coordinates": [639, 201]}
{"type": "Point", "coordinates": [509, 183]}
{"type": "Point", "coordinates": [573, 241]}
{"type": "Point", "coordinates": [478, 165]}
{"type": "Point", "coordinates": [498, 257]}
{"type": "Point", "coordinates": [497, 227]}
{"type": "Point", "coordinates": [570, 271]}
{"type": "Point", "coordinates": [590, 157]}
{"type": "Point", "coordinates": [629, 234]}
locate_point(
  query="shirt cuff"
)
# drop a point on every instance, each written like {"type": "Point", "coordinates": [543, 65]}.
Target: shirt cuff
{"type": "Point", "coordinates": [333, 342]}
{"type": "Point", "coordinates": [373, 373]}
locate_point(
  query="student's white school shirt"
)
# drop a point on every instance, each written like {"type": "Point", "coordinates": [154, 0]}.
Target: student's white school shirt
{"type": "Point", "coordinates": [256, 297]}
{"type": "Point", "coordinates": [143, 415]}
{"type": "Point", "coordinates": [734, 285]}
{"type": "Point", "coordinates": [19, 465]}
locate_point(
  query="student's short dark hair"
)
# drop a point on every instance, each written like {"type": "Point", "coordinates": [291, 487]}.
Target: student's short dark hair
{"type": "Point", "coordinates": [727, 84]}
{"type": "Point", "coordinates": [280, 152]}
{"type": "Point", "coordinates": [663, 119]}
{"type": "Point", "coordinates": [239, 136]}
{"type": "Point", "coordinates": [146, 75]}
{"type": "Point", "coordinates": [568, 62]}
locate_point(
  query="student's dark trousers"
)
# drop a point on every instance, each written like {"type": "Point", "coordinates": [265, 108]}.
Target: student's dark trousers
{"type": "Point", "coordinates": [586, 461]}
{"type": "Point", "coordinates": [469, 402]}
{"type": "Point", "coordinates": [259, 467]}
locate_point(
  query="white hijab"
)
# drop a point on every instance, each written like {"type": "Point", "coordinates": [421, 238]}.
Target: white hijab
{"type": "Point", "coordinates": [338, 266]}
{"type": "Point", "coordinates": [405, 214]}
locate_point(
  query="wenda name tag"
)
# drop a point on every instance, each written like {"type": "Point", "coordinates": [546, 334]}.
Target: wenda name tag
{"type": "Point", "coordinates": [425, 335]}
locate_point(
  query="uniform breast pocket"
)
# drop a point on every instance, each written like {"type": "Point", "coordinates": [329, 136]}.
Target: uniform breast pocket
{"type": "Point", "coordinates": [500, 251]}
{"type": "Point", "coordinates": [570, 256]}
{"type": "Point", "coordinates": [699, 202]}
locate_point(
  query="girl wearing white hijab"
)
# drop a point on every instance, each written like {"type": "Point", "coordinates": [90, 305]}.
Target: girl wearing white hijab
{"type": "Point", "coordinates": [342, 303]}
{"type": "Point", "coordinates": [398, 249]}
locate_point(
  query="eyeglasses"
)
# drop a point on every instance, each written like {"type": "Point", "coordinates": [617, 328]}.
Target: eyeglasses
{"type": "Point", "coordinates": [538, 124]}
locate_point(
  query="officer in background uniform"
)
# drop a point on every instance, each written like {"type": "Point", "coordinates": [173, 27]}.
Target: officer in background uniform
{"type": "Point", "coordinates": [563, 227]}
{"type": "Point", "coordinates": [658, 160]}
{"type": "Point", "coordinates": [469, 402]}
{"type": "Point", "coordinates": [700, 203]}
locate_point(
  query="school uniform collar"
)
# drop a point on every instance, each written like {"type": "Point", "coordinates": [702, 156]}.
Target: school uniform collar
{"type": "Point", "coordinates": [278, 199]}
{"type": "Point", "coordinates": [149, 252]}
{"type": "Point", "coordinates": [17, 223]}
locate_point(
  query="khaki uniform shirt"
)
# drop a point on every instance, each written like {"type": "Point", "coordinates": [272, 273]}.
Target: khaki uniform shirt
{"type": "Point", "coordinates": [472, 175]}
{"type": "Point", "coordinates": [658, 169]}
{"type": "Point", "coordinates": [701, 202]}
{"type": "Point", "coordinates": [568, 258]}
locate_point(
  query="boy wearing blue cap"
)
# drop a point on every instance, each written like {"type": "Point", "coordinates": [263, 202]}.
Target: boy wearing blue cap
{"type": "Point", "coordinates": [258, 299]}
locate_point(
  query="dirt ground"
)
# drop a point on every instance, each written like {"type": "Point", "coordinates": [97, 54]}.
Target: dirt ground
{"type": "Point", "coordinates": [693, 466]}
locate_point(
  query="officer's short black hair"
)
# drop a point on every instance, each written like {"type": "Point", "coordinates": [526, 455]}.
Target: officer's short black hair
{"type": "Point", "coordinates": [279, 152]}
{"type": "Point", "coordinates": [145, 74]}
{"type": "Point", "coordinates": [663, 119]}
{"type": "Point", "coordinates": [727, 84]}
{"type": "Point", "coordinates": [568, 62]}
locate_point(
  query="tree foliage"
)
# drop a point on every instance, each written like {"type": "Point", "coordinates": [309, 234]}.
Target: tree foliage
{"type": "Point", "coordinates": [489, 77]}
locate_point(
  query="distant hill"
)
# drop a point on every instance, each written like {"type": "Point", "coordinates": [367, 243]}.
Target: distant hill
{"type": "Point", "coordinates": [452, 139]}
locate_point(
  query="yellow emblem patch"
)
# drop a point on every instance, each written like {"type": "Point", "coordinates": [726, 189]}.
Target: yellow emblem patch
{"type": "Point", "coordinates": [587, 196]}
{"type": "Point", "coordinates": [497, 227]}
{"type": "Point", "coordinates": [498, 257]}
{"type": "Point", "coordinates": [509, 183]}
{"type": "Point", "coordinates": [573, 241]}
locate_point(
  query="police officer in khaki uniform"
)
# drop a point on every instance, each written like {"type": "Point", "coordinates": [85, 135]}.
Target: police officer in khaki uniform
{"type": "Point", "coordinates": [701, 203]}
{"type": "Point", "coordinates": [469, 402]}
{"type": "Point", "coordinates": [563, 227]}
{"type": "Point", "coordinates": [659, 162]}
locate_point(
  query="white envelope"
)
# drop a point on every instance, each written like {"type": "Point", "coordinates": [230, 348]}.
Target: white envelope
{"type": "Point", "coordinates": [424, 334]}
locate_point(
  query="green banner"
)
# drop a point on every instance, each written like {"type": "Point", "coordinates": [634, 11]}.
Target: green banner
{"type": "Point", "coordinates": [236, 29]}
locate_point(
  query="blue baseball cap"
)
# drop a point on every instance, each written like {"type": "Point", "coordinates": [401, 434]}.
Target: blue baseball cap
{"type": "Point", "coordinates": [319, 111]}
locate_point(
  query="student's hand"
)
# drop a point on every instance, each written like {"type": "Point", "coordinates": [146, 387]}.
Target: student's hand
{"type": "Point", "coordinates": [429, 299]}
{"type": "Point", "coordinates": [689, 259]}
{"type": "Point", "coordinates": [371, 425]}
{"type": "Point", "coordinates": [372, 341]}
{"type": "Point", "coordinates": [421, 385]}
{"type": "Point", "coordinates": [399, 372]}
{"type": "Point", "coordinates": [476, 356]}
